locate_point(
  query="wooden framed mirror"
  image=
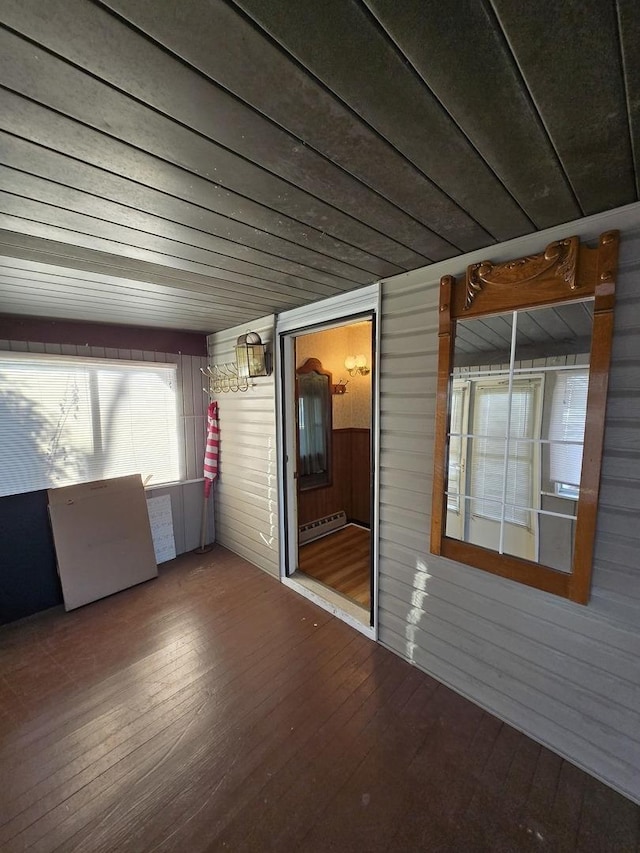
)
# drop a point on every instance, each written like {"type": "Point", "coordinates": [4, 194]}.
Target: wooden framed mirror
{"type": "Point", "coordinates": [523, 362]}
{"type": "Point", "coordinates": [314, 424]}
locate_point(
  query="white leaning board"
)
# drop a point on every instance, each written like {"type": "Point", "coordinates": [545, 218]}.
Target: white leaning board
{"type": "Point", "coordinates": [161, 522]}
{"type": "Point", "coordinates": [102, 538]}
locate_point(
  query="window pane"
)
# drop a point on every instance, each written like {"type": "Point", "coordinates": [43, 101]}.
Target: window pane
{"type": "Point", "coordinates": [454, 483]}
{"type": "Point", "coordinates": [566, 428]}
{"type": "Point", "coordinates": [491, 419]}
{"type": "Point", "coordinates": [71, 420]}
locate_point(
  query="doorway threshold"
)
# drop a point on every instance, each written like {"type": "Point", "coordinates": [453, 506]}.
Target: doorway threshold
{"type": "Point", "coordinates": [334, 602]}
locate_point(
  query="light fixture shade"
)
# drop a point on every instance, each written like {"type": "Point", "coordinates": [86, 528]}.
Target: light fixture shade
{"type": "Point", "coordinates": [350, 362]}
{"type": "Point", "coordinates": [361, 360]}
{"type": "Point", "coordinates": [251, 356]}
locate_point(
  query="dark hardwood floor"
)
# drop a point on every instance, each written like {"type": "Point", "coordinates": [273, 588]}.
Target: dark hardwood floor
{"type": "Point", "coordinates": [215, 709]}
{"type": "Point", "coordinates": [341, 560]}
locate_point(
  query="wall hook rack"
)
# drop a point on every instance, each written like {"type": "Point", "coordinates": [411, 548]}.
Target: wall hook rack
{"type": "Point", "coordinates": [224, 378]}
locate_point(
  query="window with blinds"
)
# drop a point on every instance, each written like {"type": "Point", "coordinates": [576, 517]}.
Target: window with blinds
{"type": "Point", "coordinates": [566, 431]}
{"type": "Point", "coordinates": [66, 420]}
{"type": "Point", "coordinates": [454, 484]}
{"type": "Point", "coordinates": [491, 423]}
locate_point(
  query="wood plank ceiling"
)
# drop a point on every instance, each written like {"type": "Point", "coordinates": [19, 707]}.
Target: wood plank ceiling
{"type": "Point", "coordinates": [196, 164]}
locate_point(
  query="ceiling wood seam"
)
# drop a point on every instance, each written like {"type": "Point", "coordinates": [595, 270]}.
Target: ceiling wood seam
{"type": "Point", "coordinates": [456, 249]}
{"type": "Point", "coordinates": [627, 97]}
{"type": "Point", "coordinates": [176, 56]}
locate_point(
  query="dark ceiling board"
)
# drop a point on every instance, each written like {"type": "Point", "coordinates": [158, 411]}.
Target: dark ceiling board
{"type": "Point", "coordinates": [239, 242]}
{"type": "Point", "coordinates": [14, 275]}
{"type": "Point", "coordinates": [256, 155]}
{"type": "Point", "coordinates": [560, 330]}
{"type": "Point", "coordinates": [544, 324]}
{"type": "Point", "coordinates": [44, 127]}
{"type": "Point", "coordinates": [180, 310]}
{"type": "Point", "coordinates": [629, 23]}
{"type": "Point", "coordinates": [50, 165]}
{"type": "Point", "coordinates": [210, 37]}
{"type": "Point", "coordinates": [569, 56]}
{"type": "Point", "coordinates": [354, 58]}
{"type": "Point", "coordinates": [479, 335]}
{"type": "Point", "coordinates": [468, 66]}
{"type": "Point", "coordinates": [41, 296]}
{"type": "Point", "coordinates": [61, 309]}
{"type": "Point", "coordinates": [80, 229]}
{"type": "Point", "coordinates": [219, 122]}
{"type": "Point", "coordinates": [81, 241]}
{"type": "Point", "coordinates": [532, 327]}
{"type": "Point", "coordinates": [170, 140]}
{"type": "Point", "coordinates": [37, 249]}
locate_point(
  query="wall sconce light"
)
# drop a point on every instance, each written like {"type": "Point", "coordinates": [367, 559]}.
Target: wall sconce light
{"type": "Point", "coordinates": [252, 357]}
{"type": "Point", "coordinates": [356, 364]}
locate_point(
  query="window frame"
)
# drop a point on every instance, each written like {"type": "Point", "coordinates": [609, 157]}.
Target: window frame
{"type": "Point", "coordinates": [564, 272]}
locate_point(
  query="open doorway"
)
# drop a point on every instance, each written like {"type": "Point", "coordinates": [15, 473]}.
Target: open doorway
{"type": "Point", "coordinates": [333, 450]}
{"type": "Point", "coordinates": [329, 524]}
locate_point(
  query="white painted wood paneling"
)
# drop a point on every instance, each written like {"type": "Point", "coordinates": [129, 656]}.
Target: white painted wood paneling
{"type": "Point", "coordinates": [565, 674]}
{"type": "Point", "coordinates": [246, 492]}
{"type": "Point", "coordinates": [186, 497]}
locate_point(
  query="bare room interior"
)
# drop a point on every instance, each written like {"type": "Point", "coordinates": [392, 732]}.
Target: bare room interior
{"type": "Point", "coordinates": [319, 468]}
{"type": "Point", "coordinates": [333, 424]}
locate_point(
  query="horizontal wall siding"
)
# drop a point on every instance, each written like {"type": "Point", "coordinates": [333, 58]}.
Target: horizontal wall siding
{"type": "Point", "coordinates": [246, 493]}
{"type": "Point", "coordinates": [186, 497]}
{"type": "Point", "coordinates": [565, 674]}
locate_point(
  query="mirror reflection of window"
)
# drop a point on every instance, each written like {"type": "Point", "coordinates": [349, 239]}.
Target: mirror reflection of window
{"type": "Point", "coordinates": [457, 446]}
{"type": "Point", "coordinates": [518, 398]}
{"type": "Point", "coordinates": [566, 432]}
{"type": "Point", "coordinates": [314, 425]}
{"type": "Point", "coordinates": [504, 467]}
{"type": "Point", "coordinates": [312, 406]}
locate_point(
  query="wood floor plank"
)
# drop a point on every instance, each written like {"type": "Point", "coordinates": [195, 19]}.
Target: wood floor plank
{"type": "Point", "coordinates": [215, 709]}
{"type": "Point", "coordinates": [107, 782]}
{"type": "Point", "coordinates": [342, 561]}
{"type": "Point", "coordinates": [322, 774]}
{"type": "Point", "coordinates": [262, 760]}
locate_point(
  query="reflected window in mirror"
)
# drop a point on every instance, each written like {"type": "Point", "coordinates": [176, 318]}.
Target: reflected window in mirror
{"type": "Point", "coordinates": [314, 424]}
{"type": "Point", "coordinates": [520, 414]}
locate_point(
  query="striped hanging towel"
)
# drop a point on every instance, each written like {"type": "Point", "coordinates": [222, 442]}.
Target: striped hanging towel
{"type": "Point", "coordinates": [212, 448]}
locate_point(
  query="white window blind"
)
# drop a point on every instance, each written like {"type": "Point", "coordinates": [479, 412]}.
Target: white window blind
{"type": "Point", "coordinates": [567, 422]}
{"type": "Point", "coordinates": [67, 420]}
{"type": "Point", "coordinates": [455, 450]}
{"type": "Point", "coordinates": [491, 410]}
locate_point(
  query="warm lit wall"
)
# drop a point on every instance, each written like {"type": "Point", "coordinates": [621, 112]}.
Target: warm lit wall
{"type": "Point", "coordinates": [349, 490]}
{"type": "Point", "coordinates": [332, 346]}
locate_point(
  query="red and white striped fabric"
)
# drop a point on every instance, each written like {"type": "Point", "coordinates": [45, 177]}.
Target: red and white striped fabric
{"type": "Point", "coordinates": [212, 448]}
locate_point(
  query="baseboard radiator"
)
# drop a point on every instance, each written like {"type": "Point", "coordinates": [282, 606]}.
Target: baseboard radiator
{"type": "Point", "coordinates": [321, 526]}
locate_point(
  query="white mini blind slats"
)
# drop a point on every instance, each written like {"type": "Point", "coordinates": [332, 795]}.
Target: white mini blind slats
{"type": "Point", "coordinates": [568, 418]}
{"type": "Point", "coordinates": [66, 420]}
{"type": "Point", "coordinates": [491, 415]}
